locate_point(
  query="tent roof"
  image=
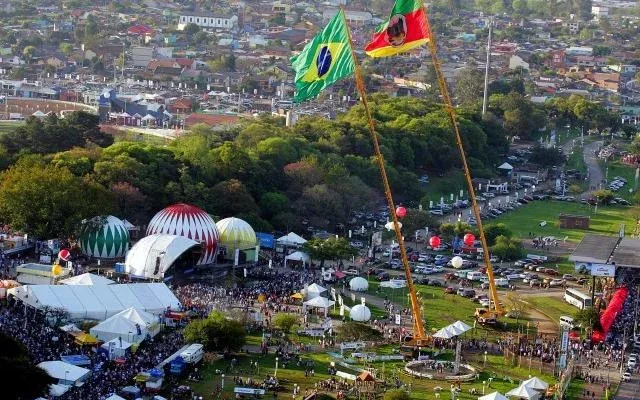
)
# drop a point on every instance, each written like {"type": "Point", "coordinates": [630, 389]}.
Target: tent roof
{"type": "Point", "coordinates": [87, 279]}
{"type": "Point", "coordinates": [505, 165]}
{"type": "Point", "coordinates": [493, 396]}
{"type": "Point", "coordinates": [366, 376]}
{"type": "Point", "coordinates": [461, 326]}
{"type": "Point", "coordinates": [116, 344]}
{"type": "Point", "coordinates": [445, 333]}
{"type": "Point", "coordinates": [141, 259]}
{"type": "Point", "coordinates": [319, 302]}
{"type": "Point", "coordinates": [536, 383]}
{"type": "Point", "coordinates": [63, 370]}
{"type": "Point", "coordinates": [315, 288]}
{"type": "Point", "coordinates": [298, 256]}
{"type": "Point", "coordinates": [116, 324]}
{"type": "Point", "coordinates": [291, 239]}
{"type": "Point", "coordinates": [523, 392]}
{"type": "Point", "coordinates": [128, 224]}
{"type": "Point", "coordinates": [138, 316]}
{"type": "Point", "coordinates": [98, 302]}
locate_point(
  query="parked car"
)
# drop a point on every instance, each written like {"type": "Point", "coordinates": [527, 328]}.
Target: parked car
{"type": "Point", "coordinates": [534, 282]}
{"type": "Point", "coordinates": [550, 271]}
{"type": "Point", "coordinates": [450, 290]}
{"type": "Point", "coordinates": [557, 282]}
{"type": "Point", "coordinates": [568, 277]}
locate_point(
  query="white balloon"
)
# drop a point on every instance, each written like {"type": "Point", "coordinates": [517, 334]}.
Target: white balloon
{"type": "Point", "coordinates": [456, 262]}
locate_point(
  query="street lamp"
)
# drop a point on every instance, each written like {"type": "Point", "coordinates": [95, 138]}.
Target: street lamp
{"type": "Point", "coordinates": [484, 384]}
{"type": "Point", "coordinates": [222, 383]}
{"type": "Point", "coordinates": [485, 359]}
{"type": "Point", "coordinates": [275, 373]}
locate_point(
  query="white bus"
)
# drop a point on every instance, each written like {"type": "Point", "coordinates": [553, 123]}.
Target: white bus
{"type": "Point", "coordinates": [577, 298]}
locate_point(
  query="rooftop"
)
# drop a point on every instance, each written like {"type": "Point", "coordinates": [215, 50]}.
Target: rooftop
{"type": "Point", "coordinates": [627, 254]}
{"type": "Point", "coordinates": [595, 249]}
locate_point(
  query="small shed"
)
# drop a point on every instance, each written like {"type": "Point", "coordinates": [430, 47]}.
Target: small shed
{"type": "Point", "coordinates": [568, 221]}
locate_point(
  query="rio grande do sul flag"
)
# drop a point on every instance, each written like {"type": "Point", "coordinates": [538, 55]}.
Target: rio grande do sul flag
{"type": "Point", "coordinates": [323, 61]}
{"type": "Point", "coordinates": [405, 29]}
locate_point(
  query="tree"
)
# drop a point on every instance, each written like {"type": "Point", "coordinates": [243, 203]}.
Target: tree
{"type": "Point", "coordinates": [29, 52]}
{"type": "Point", "coordinates": [547, 157]}
{"type": "Point", "coordinates": [603, 196]}
{"type": "Point", "coordinates": [272, 203]}
{"type": "Point", "coordinates": [191, 29]}
{"type": "Point", "coordinates": [66, 48]}
{"type": "Point", "coordinates": [218, 332]}
{"type": "Point", "coordinates": [492, 231]}
{"type": "Point", "coordinates": [49, 202]}
{"type": "Point", "coordinates": [507, 249]}
{"type": "Point", "coordinates": [329, 249]}
{"type": "Point", "coordinates": [588, 317]}
{"type": "Point", "coordinates": [22, 379]}
{"type": "Point", "coordinates": [285, 322]}
{"type": "Point", "coordinates": [469, 86]}
{"type": "Point", "coordinates": [396, 394]}
{"type": "Point", "coordinates": [231, 198]}
{"type": "Point", "coordinates": [354, 331]}
{"type": "Point", "coordinates": [517, 307]}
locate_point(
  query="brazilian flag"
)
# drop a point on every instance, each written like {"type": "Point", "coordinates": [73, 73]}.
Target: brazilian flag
{"type": "Point", "coordinates": [324, 60]}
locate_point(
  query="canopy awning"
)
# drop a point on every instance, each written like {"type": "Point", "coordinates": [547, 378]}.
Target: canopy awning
{"type": "Point", "coordinates": [291, 239]}
{"type": "Point", "coordinates": [536, 383]}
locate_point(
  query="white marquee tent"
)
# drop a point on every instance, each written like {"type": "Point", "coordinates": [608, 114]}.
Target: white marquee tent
{"type": "Point", "coordinates": [319, 302]}
{"type": "Point", "coordinates": [119, 326]}
{"type": "Point", "coordinates": [297, 256]}
{"type": "Point", "coordinates": [536, 383]}
{"type": "Point", "coordinates": [313, 291]}
{"type": "Point", "coordinates": [493, 396]}
{"type": "Point", "coordinates": [360, 313]}
{"type": "Point", "coordinates": [65, 373]}
{"type": "Point", "coordinates": [117, 347]}
{"type": "Point", "coordinates": [98, 302]}
{"type": "Point", "coordinates": [87, 279]}
{"type": "Point", "coordinates": [523, 392]}
{"type": "Point", "coordinates": [291, 239]}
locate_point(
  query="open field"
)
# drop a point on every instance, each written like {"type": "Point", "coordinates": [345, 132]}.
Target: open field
{"type": "Point", "coordinates": [554, 307]}
{"type": "Point", "coordinates": [444, 186]}
{"type": "Point", "coordinates": [9, 126]}
{"type": "Point", "coordinates": [527, 219]}
{"type": "Point", "coordinates": [624, 171]}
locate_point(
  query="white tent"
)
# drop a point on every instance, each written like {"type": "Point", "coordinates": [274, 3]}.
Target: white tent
{"type": "Point", "coordinates": [58, 390]}
{"type": "Point", "coordinates": [119, 327]}
{"type": "Point", "coordinates": [116, 347]}
{"type": "Point", "coordinates": [360, 313]}
{"type": "Point", "coordinates": [65, 373]}
{"type": "Point", "coordinates": [461, 326]}
{"type": "Point", "coordinates": [291, 239]}
{"type": "Point", "coordinates": [313, 291]}
{"type": "Point", "coordinates": [445, 333]}
{"type": "Point", "coordinates": [493, 396]}
{"type": "Point", "coordinates": [523, 392]}
{"type": "Point", "coordinates": [358, 284]}
{"type": "Point", "coordinates": [536, 383]}
{"type": "Point", "coordinates": [297, 256]}
{"type": "Point", "coordinates": [138, 316]}
{"type": "Point", "coordinates": [87, 279]}
{"type": "Point", "coordinates": [98, 302]}
{"type": "Point", "coordinates": [129, 225]}
{"type": "Point", "coordinates": [506, 166]}
{"type": "Point", "coordinates": [319, 302]}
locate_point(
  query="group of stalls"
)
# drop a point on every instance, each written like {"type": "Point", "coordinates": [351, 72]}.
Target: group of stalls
{"type": "Point", "coordinates": [313, 299]}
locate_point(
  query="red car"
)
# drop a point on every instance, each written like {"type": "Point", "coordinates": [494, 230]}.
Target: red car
{"type": "Point", "coordinates": [450, 290]}
{"type": "Point", "coordinates": [550, 271]}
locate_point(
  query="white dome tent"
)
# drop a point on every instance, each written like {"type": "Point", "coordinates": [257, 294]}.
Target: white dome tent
{"type": "Point", "coordinates": [358, 284]}
{"type": "Point", "coordinates": [153, 255]}
{"type": "Point", "coordinates": [360, 313]}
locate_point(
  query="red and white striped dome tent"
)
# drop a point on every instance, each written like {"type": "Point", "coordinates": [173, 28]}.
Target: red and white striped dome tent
{"type": "Point", "coordinates": [191, 222]}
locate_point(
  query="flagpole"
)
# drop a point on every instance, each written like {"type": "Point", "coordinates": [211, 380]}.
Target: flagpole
{"type": "Point", "coordinates": [467, 174]}
{"type": "Point", "coordinates": [418, 327]}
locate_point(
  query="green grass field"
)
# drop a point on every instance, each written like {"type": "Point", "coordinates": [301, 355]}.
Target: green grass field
{"type": "Point", "coordinates": [576, 160]}
{"type": "Point", "coordinates": [624, 171]}
{"type": "Point", "coordinates": [527, 219]}
{"type": "Point", "coordinates": [552, 307]}
{"type": "Point", "coordinates": [9, 126]}
{"type": "Point", "coordinates": [444, 186]}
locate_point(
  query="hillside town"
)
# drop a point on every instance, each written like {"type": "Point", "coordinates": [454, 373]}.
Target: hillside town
{"type": "Point", "coordinates": [327, 200]}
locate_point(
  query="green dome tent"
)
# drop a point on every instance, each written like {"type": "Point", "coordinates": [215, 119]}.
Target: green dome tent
{"type": "Point", "coordinates": [105, 237]}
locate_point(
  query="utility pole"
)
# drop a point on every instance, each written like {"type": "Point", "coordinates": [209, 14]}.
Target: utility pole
{"type": "Point", "coordinates": [485, 98]}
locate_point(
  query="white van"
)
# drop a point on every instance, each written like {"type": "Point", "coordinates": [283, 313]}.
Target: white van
{"type": "Point", "coordinates": [193, 354]}
{"type": "Point", "coordinates": [502, 282]}
{"type": "Point", "coordinates": [566, 321]}
{"type": "Point", "coordinates": [474, 275]}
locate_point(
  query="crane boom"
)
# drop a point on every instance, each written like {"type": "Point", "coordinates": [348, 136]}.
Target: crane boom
{"type": "Point", "coordinates": [451, 112]}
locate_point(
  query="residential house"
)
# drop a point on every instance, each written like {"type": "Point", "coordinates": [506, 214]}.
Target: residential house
{"type": "Point", "coordinates": [181, 106]}
{"type": "Point", "coordinates": [599, 11]}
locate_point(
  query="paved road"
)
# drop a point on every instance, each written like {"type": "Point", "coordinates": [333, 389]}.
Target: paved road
{"type": "Point", "coordinates": [595, 172]}
{"type": "Point", "coordinates": [629, 390]}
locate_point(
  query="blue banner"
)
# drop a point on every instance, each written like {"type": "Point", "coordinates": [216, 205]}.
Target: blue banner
{"type": "Point", "coordinates": [266, 240]}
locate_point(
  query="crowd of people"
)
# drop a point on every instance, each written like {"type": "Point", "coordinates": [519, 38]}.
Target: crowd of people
{"type": "Point", "coordinates": [45, 343]}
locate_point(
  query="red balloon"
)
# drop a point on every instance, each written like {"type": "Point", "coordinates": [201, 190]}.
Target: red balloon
{"type": "Point", "coordinates": [64, 255]}
{"type": "Point", "coordinates": [469, 239]}
{"type": "Point", "coordinates": [434, 242]}
{"type": "Point", "coordinates": [401, 212]}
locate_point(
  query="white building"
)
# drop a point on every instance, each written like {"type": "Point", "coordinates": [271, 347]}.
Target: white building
{"type": "Point", "coordinates": [208, 21]}
{"type": "Point", "coordinates": [579, 51]}
{"type": "Point", "coordinates": [141, 55]}
{"type": "Point", "coordinates": [599, 11]}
